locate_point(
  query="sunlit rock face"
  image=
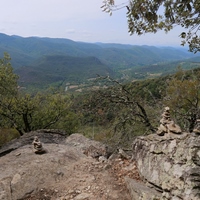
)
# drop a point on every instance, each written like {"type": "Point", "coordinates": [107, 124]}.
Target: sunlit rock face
{"type": "Point", "coordinates": [170, 164]}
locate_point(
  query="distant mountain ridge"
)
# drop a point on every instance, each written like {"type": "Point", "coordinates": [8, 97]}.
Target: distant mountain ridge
{"type": "Point", "coordinates": [46, 60]}
{"type": "Point", "coordinates": [24, 50]}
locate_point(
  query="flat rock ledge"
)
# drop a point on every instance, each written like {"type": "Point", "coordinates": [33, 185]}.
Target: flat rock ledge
{"type": "Point", "coordinates": [70, 169]}
{"type": "Point", "coordinates": [169, 166]}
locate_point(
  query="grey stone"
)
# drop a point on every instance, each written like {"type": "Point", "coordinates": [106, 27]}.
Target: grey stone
{"type": "Point", "coordinates": [170, 163]}
{"type": "Point", "coordinates": [82, 196]}
{"type": "Point", "coordinates": [37, 146]}
{"type": "Point", "coordinates": [167, 125]}
{"type": "Point", "coordinates": [140, 191]}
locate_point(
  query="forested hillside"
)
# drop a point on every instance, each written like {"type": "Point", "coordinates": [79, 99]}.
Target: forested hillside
{"type": "Point", "coordinates": [44, 62]}
{"type": "Point", "coordinates": [123, 111]}
{"type": "Point", "coordinates": [24, 50]}
{"type": "Point", "coordinates": [132, 85]}
{"type": "Point", "coordinates": [114, 113]}
{"type": "Point", "coordinates": [60, 69]}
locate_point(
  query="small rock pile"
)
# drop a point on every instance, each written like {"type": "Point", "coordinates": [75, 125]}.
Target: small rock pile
{"type": "Point", "coordinates": [167, 125]}
{"type": "Point", "coordinates": [37, 146]}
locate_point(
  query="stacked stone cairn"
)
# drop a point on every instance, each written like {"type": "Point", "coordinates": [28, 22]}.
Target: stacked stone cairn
{"type": "Point", "coordinates": [167, 125]}
{"type": "Point", "coordinates": [37, 146]}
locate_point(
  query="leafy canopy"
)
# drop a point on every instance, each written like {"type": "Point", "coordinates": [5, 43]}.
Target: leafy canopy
{"type": "Point", "coordinates": [183, 97]}
{"type": "Point", "coordinates": [146, 16]}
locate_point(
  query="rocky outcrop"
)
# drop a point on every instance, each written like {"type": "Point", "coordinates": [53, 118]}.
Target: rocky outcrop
{"type": "Point", "coordinates": [24, 172]}
{"type": "Point", "coordinates": [63, 172]}
{"type": "Point", "coordinates": [170, 165]}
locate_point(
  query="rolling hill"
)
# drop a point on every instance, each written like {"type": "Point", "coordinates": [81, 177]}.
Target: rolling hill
{"type": "Point", "coordinates": [60, 69]}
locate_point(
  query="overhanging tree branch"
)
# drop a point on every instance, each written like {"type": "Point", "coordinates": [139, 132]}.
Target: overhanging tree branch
{"type": "Point", "coordinates": [150, 16]}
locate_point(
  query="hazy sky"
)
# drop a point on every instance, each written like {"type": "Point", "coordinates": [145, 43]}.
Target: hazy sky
{"type": "Point", "coordinates": [79, 20]}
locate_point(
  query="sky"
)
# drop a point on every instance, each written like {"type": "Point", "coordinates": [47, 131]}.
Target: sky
{"type": "Point", "coordinates": [78, 20]}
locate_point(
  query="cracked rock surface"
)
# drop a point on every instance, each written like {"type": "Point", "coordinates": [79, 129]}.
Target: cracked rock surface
{"type": "Point", "coordinates": [170, 164]}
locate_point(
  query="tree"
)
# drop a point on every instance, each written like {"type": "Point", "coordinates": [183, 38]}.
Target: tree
{"type": "Point", "coordinates": [26, 112]}
{"type": "Point", "coordinates": [146, 16]}
{"type": "Point", "coordinates": [183, 98]}
{"type": "Point", "coordinates": [122, 110]}
{"type": "Point", "coordinates": [126, 102]}
{"type": "Point", "coordinates": [40, 111]}
{"type": "Point", "coordinates": [8, 91]}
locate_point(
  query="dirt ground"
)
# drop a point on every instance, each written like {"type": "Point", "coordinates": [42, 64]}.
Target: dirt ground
{"type": "Point", "coordinates": [92, 181]}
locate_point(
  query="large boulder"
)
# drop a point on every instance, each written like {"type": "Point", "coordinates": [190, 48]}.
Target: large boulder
{"type": "Point", "coordinates": [170, 164]}
{"type": "Point", "coordinates": [69, 168]}
{"type": "Point", "coordinates": [23, 172]}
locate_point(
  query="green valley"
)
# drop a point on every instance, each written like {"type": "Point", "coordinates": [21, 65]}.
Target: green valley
{"type": "Point", "coordinates": [44, 62]}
